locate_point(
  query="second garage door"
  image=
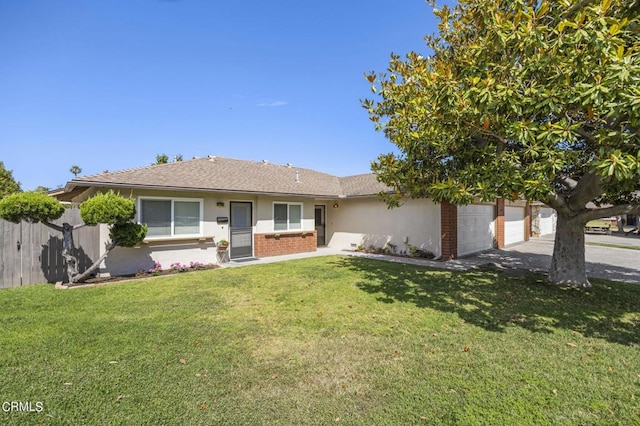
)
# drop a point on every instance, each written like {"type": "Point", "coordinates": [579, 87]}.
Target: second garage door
{"type": "Point", "coordinates": [513, 225]}
{"type": "Point", "coordinates": [475, 228]}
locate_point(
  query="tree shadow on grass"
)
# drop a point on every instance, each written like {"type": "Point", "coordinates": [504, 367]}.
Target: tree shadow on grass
{"type": "Point", "coordinates": [495, 300]}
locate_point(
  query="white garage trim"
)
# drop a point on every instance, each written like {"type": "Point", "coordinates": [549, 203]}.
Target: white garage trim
{"type": "Point", "coordinates": [513, 225]}
{"type": "Point", "coordinates": [476, 231]}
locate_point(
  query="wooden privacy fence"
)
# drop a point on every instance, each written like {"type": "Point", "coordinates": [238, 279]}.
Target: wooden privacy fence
{"type": "Point", "coordinates": [31, 253]}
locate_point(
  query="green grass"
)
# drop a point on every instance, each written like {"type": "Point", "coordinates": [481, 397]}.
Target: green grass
{"type": "Point", "coordinates": [332, 340]}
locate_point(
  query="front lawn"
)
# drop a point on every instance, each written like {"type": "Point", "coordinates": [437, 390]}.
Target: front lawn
{"type": "Point", "coordinates": [331, 340]}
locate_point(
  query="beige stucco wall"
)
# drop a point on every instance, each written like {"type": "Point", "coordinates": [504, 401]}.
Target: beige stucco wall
{"type": "Point", "coordinates": [368, 221]}
{"type": "Point", "coordinates": [201, 248]}
{"type": "Point", "coordinates": [183, 250]}
{"type": "Point", "coordinates": [211, 229]}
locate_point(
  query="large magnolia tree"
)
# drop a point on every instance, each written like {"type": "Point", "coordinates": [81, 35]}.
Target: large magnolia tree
{"type": "Point", "coordinates": [520, 99]}
{"type": "Point", "coordinates": [109, 208]}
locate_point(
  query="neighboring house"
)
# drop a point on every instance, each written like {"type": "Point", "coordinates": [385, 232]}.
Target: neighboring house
{"type": "Point", "coordinates": [265, 209]}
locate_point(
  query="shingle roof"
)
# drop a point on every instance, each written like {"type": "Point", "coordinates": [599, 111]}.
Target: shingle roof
{"type": "Point", "coordinates": [225, 174]}
{"type": "Point", "coordinates": [359, 185]}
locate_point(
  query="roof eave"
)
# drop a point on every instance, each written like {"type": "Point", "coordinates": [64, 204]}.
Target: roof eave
{"type": "Point", "coordinates": [73, 184]}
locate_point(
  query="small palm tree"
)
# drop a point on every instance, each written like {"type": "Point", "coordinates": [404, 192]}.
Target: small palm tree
{"type": "Point", "coordinates": [75, 170]}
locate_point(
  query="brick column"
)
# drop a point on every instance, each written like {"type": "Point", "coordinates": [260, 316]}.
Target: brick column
{"type": "Point", "coordinates": [500, 222]}
{"type": "Point", "coordinates": [527, 222]}
{"type": "Point", "coordinates": [449, 230]}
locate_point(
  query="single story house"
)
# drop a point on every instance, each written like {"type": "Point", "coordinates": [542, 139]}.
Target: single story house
{"type": "Point", "coordinates": [266, 209]}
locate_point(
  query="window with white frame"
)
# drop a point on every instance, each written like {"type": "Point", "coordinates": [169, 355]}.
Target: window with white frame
{"type": "Point", "coordinates": [287, 216]}
{"type": "Point", "coordinates": [171, 217]}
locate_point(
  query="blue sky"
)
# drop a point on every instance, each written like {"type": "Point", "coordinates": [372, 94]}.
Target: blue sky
{"type": "Point", "coordinates": [110, 84]}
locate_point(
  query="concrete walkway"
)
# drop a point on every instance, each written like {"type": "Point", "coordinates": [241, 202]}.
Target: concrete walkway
{"type": "Point", "coordinates": [328, 251]}
{"type": "Point", "coordinates": [612, 263]}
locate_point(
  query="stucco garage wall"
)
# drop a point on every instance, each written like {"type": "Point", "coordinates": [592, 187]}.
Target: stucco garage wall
{"type": "Point", "coordinates": [368, 221]}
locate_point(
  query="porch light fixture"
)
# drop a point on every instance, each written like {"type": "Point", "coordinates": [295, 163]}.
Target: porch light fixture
{"type": "Point", "coordinates": [336, 205]}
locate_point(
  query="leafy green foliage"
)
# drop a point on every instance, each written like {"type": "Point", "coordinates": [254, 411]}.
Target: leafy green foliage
{"type": "Point", "coordinates": [117, 211]}
{"type": "Point", "coordinates": [75, 170]}
{"type": "Point", "coordinates": [109, 208]}
{"type": "Point", "coordinates": [128, 234]}
{"type": "Point", "coordinates": [32, 206]}
{"type": "Point", "coordinates": [8, 184]}
{"type": "Point", "coordinates": [162, 159]}
{"type": "Point", "coordinates": [517, 97]}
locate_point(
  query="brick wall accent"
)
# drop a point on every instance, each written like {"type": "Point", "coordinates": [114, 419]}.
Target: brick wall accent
{"type": "Point", "coordinates": [527, 222]}
{"type": "Point", "coordinates": [499, 228]}
{"type": "Point", "coordinates": [284, 243]}
{"type": "Point", "coordinates": [449, 230]}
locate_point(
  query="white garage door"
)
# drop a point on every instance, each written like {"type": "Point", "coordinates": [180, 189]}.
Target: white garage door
{"type": "Point", "coordinates": [547, 219]}
{"type": "Point", "coordinates": [513, 225]}
{"type": "Point", "coordinates": [475, 228]}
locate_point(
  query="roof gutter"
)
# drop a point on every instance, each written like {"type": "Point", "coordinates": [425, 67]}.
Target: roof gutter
{"type": "Point", "coordinates": [73, 184]}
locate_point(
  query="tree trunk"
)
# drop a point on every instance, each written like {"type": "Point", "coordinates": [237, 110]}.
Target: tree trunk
{"type": "Point", "coordinates": [80, 278]}
{"type": "Point", "coordinates": [74, 275]}
{"type": "Point", "coordinates": [568, 262]}
{"type": "Point", "coordinates": [67, 246]}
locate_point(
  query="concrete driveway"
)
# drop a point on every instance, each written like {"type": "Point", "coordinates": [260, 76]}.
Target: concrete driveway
{"type": "Point", "coordinates": [612, 263]}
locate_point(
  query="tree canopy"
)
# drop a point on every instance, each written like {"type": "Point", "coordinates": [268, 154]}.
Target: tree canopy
{"type": "Point", "coordinates": [76, 170]}
{"type": "Point", "coordinates": [8, 184]}
{"type": "Point", "coordinates": [31, 206]}
{"type": "Point", "coordinates": [519, 99]}
{"type": "Point", "coordinates": [162, 159]}
{"type": "Point", "coordinates": [108, 208]}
